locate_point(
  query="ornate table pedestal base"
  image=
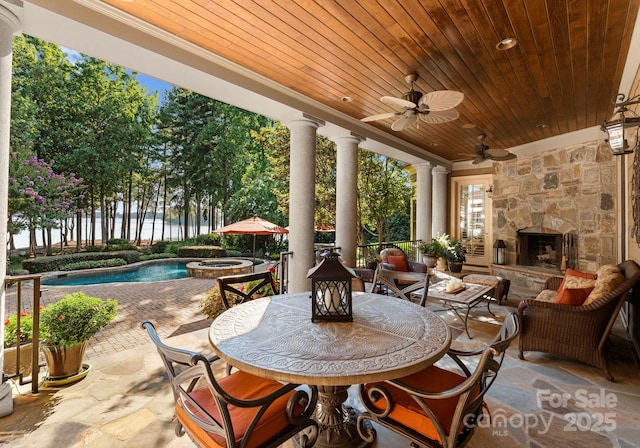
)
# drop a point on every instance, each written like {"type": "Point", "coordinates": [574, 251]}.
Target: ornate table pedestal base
{"type": "Point", "coordinates": [337, 423]}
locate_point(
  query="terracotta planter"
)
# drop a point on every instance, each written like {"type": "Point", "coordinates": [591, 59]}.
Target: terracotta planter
{"type": "Point", "coordinates": [26, 353]}
{"type": "Point", "coordinates": [64, 362]}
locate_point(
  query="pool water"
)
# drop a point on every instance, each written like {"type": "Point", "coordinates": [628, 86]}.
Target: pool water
{"type": "Point", "coordinates": [145, 273]}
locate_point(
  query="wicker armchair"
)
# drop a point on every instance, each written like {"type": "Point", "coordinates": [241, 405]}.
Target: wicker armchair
{"type": "Point", "coordinates": [578, 332]}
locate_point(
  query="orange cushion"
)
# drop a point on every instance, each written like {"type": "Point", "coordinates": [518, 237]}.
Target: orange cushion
{"type": "Point", "coordinates": [573, 272]}
{"type": "Point", "coordinates": [575, 296]}
{"type": "Point", "coordinates": [399, 261]}
{"type": "Point", "coordinates": [240, 385]}
{"type": "Point", "coordinates": [407, 411]}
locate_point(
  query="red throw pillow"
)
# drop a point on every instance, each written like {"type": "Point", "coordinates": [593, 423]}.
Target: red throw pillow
{"type": "Point", "coordinates": [573, 296]}
{"type": "Point", "coordinates": [399, 262]}
{"type": "Point", "coordinates": [575, 273]}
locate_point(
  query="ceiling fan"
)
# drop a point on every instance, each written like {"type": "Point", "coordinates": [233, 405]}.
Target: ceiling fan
{"type": "Point", "coordinates": [483, 152]}
{"type": "Point", "coordinates": [434, 107]}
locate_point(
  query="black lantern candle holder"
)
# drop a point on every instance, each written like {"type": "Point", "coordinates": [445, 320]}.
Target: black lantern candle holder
{"type": "Point", "coordinates": [499, 252]}
{"type": "Point", "coordinates": [331, 298]}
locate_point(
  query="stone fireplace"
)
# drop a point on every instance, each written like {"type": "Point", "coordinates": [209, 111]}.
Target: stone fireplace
{"type": "Point", "coordinates": [545, 248]}
{"type": "Point", "coordinates": [554, 203]}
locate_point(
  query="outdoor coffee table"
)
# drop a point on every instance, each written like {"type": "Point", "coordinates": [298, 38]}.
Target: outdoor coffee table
{"type": "Point", "coordinates": [469, 296]}
{"type": "Point", "coordinates": [274, 338]}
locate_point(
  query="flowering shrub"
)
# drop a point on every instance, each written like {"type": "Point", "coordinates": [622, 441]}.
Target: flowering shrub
{"type": "Point", "coordinates": [211, 304]}
{"type": "Point", "coordinates": [26, 329]}
{"type": "Point", "coordinates": [75, 318]}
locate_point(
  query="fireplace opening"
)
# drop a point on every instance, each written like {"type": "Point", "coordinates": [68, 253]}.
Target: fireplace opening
{"type": "Point", "coordinates": [545, 248]}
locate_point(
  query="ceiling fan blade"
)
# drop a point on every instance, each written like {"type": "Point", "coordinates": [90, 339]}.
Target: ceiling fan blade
{"type": "Point", "coordinates": [477, 160]}
{"type": "Point", "coordinates": [493, 152]}
{"type": "Point", "coordinates": [403, 122]}
{"type": "Point", "coordinates": [509, 156]}
{"type": "Point", "coordinates": [441, 100]}
{"type": "Point", "coordinates": [438, 117]}
{"type": "Point", "coordinates": [379, 116]}
{"type": "Point", "coordinates": [393, 101]}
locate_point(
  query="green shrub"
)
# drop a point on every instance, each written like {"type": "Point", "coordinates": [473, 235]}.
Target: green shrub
{"type": "Point", "coordinates": [208, 239]}
{"type": "Point", "coordinates": [54, 263]}
{"type": "Point", "coordinates": [75, 318]}
{"type": "Point", "coordinates": [233, 253]}
{"type": "Point", "coordinates": [201, 252]}
{"type": "Point", "coordinates": [211, 305]}
{"type": "Point", "coordinates": [159, 247]}
{"type": "Point", "coordinates": [157, 256]}
{"type": "Point", "coordinates": [108, 263]}
{"type": "Point", "coordinates": [117, 241]}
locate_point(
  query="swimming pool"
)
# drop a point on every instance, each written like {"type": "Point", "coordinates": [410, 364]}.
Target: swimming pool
{"type": "Point", "coordinates": [147, 272]}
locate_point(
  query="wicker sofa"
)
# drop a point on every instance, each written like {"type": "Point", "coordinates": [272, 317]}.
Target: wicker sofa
{"type": "Point", "coordinates": [577, 331]}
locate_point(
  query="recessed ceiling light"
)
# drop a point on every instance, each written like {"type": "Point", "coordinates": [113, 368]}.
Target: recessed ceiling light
{"type": "Point", "coordinates": [541, 125]}
{"type": "Point", "coordinates": [347, 99]}
{"type": "Point", "coordinates": [434, 144]}
{"type": "Point", "coordinates": [507, 43]}
{"type": "Point", "coordinates": [468, 126]}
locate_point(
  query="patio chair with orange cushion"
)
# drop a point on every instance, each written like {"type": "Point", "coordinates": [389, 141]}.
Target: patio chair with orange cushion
{"type": "Point", "coordinates": [437, 407]}
{"type": "Point", "coordinates": [237, 410]}
{"type": "Point", "coordinates": [394, 258]}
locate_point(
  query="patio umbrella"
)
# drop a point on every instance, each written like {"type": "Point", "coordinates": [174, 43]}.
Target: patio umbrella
{"type": "Point", "coordinates": [252, 226]}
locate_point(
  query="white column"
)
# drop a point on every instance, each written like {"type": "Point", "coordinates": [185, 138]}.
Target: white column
{"type": "Point", "coordinates": [440, 192]}
{"type": "Point", "coordinates": [347, 196]}
{"type": "Point", "coordinates": [302, 157]}
{"type": "Point", "coordinates": [423, 201]}
{"type": "Point", "coordinates": [9, 24]}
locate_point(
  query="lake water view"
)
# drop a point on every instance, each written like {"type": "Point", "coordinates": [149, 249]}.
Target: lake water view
{"type": "Point", "coordinates": [172, 232]}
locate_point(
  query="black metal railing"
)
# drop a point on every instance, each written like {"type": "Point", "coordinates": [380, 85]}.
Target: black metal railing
{"type": "Point", "coordinates": [19, 280]}
{"type": "Point", "coordinates": [408, 247]}
{"type": "Point", "coordinates": [373, 250]}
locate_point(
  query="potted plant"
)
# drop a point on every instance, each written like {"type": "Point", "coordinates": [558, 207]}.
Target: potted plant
{"type": "Point", "coordinates": [434, 249]}
{"type": "Point", "coordinates": [14, 337]}
{"type": "Point", "coordinates": [371, 262]}
{"type": "Point", "coordinates": [66, 327]}
{"type": "Point", "coordinates": [456, 255]}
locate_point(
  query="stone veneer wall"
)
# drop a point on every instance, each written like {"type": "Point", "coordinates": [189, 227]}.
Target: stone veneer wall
{"type": "Point", "coordinates": [565, 189]}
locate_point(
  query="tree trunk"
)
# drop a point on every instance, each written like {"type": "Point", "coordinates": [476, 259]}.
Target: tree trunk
{"type": "Point", "coordinates": [78, 230]}
{"type": "Point", "coordinates": [186, 211]}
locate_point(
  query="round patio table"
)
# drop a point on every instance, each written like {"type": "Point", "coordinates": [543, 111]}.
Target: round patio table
{"type": "Point", "coordinates": [274, 338]}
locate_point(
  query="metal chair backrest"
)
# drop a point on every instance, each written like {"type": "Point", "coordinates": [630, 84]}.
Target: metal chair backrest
{"type": "Point", "coordinates": [402, 284]}
{"type": "Point", "coordinates": [230, 284]}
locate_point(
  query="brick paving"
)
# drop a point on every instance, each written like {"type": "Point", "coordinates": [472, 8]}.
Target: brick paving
{"type": "Point", "coordinates": [172, 305]}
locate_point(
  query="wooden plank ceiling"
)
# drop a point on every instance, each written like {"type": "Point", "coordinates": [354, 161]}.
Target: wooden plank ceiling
{"type": "Point", "coordinates": [559, 78]}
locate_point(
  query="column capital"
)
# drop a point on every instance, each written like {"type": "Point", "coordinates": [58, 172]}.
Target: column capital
{"type": "Point", "coordinates": [8, 17]}
{"type": "Point", "coordinates": [440, 170]}
{"type": "Point", "coordinates": [423, 166]}
{"type": "Point", "coordinates": [300, 118]}
{"type": "Point", "coordinates": [349, 137]}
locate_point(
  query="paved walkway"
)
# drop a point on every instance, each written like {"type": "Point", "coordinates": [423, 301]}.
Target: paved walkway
{"type": "Point", "coordinates": [171, 305]}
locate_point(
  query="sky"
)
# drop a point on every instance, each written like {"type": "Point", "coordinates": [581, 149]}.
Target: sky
{"type": "Point", "coordinates": [153, 85]}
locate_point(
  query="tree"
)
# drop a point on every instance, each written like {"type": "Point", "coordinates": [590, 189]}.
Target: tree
{"type": "Point", "coordinates": [276, 142]}
{"type": "Point", "coordinates": [384, 191]}
{"type": "Point", "coordinates": [38, 197]}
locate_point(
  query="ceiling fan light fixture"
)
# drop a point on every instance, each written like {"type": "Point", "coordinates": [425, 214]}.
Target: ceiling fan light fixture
{"type": "Point", "coordinates": [506, 43]}
{"type": "Point", "coordinates": [622, 131]}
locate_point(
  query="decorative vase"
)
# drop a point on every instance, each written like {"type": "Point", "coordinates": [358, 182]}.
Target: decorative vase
{"type": "Point", "coordinates": [430, 260]}
{"type": "Point", "coordinates": [10, 364]}
{"type": "Point", "coordinates": [455, 266]}
{"type": "Point", "coordinates": [373, 265]}
{"type": "Point", "coordinates": [64, 362]}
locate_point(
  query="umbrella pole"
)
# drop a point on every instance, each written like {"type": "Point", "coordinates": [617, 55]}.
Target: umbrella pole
{"type": "Point", "coordinates": [253, 266]}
